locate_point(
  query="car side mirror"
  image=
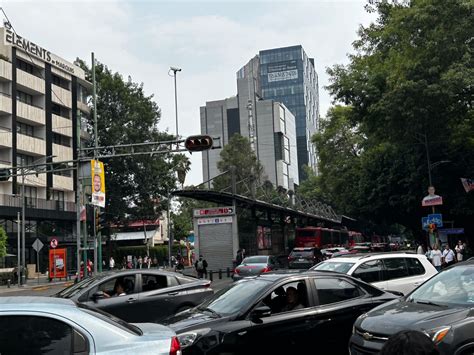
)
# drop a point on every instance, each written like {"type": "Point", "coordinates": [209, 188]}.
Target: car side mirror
{"type": "Point", "coordinates": [98, 296]}
{"type": "Point", "coordinates": [259, 313]}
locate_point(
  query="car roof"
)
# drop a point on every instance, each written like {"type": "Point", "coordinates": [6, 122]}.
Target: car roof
{"type": "Point", "coordinates": [37, 302]}
{"type": "Point", "coordinates": [276, 275]}
{"type": "Point", "coordinates": [382, 255]}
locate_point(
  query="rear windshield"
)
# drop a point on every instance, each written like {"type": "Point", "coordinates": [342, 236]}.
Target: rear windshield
{"type": "Point", "coordinates": [303, 253]}
{"type": "Point", "coordinates": [341, 267]}
{"type": "Point", "coordinates": [255, 260]}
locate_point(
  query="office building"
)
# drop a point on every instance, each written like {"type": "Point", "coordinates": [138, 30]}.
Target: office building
{"type": "Point", "coordinates": [43, 99]}
{"type": "Point", "coordinates": [288, 75]}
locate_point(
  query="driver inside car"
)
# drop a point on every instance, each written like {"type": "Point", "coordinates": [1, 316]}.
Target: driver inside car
{"type": "Point", "coordinates": [119, 290]}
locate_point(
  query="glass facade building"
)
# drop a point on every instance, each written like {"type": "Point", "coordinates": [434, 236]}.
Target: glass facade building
{"type": "Point", "coordinates": [288, 76]}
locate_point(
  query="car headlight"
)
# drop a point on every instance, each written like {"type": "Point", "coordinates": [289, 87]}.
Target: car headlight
{"type": "Point", "coordinates": [437, 334]}
{"type": "Point", "coordinates": [188, 338]}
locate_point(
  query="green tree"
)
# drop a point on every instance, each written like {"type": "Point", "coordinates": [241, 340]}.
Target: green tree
{"type": "Point", "coordinates": [3, 242]}
{"type": "Point", "coordinates": [411, 78]}
{"type": "Point", "coordinates": [126, 115]}
{"type": "Point", "coordinates": [238, 155]}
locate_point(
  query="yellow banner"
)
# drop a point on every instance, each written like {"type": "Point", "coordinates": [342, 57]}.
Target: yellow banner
{"type": "Point", "coordinates": [98, 183]}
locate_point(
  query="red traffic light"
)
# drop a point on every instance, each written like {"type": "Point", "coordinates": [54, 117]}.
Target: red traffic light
{"type": "Point", "coordinates": [198, 143]}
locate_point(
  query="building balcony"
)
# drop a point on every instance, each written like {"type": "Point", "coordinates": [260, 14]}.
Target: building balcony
{"type": "Point", "coordinates": [29, 81]}
{"type": "Point", "coordinates": [5, 104]}
{"type": "Point", "coordinates": [31, 145]}
{"type": "Point", "coordinates": [5, 137]}
{"type": "Point", "coordinates": [5, 164]}
{"type": "Point", "coordinates": [63, 183]}
{"type": "Point", "coordinates": [5, 70]}
{"type": "Point", "coordinates": [37, 203]}
{"type": "Point", "coordinates": [62, 125]}
{"type": "Point", "coordinates": [62, 153]}
{"type": "Point", "coordinates": [33, 180]}
{"type": "Point", "coordinates": [34, 114]}
{"type": "Point", "coordinates": [61, 96]}
{"type": "Point", "coordinates": [83, 107]}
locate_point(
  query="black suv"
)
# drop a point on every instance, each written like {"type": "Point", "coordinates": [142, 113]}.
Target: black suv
{"type": "Point", "coordinates": [304, 258]}
{"type": "Point", "coordinates": [442, 308]}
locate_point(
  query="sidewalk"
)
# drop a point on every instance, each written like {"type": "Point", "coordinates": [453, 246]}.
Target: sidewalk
{"type": "Point", "coordinates": [32, 284]}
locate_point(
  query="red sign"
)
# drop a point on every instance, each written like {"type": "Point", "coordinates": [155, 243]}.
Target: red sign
{"type": "Point", "coordinates": [218, 211]}
{"type": "Point", "coordinates": [53, 243]}
{"type": "Point", "coordinates": [432, 200]}
{"type": "Point", "coordinates": [57, 263]}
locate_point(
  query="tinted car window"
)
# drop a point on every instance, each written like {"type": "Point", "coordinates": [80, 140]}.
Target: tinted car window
{"type": "Point", "coordinates": [415, 267]}
{"type": "Point", "coordinates": [301, 253]}
{"type": "Point", "coordinates": [395, 268]}
{"type": "Point", "coordinates": [370, 271]}
{"type": "Point", "coordinates": [278, 301]}
{"type": "Point", "coordinates": [152, 282]}
{"type": "Point", "coordinates": [341, 267]}
{"type": "Point", "coordinates": [332, 290]}
{"type": "Point", "coordinates": [34, 335]}
{"type": "Point", "coordinates": [127, 281]}
{"type": "Point", "coordinates": [255, 260]}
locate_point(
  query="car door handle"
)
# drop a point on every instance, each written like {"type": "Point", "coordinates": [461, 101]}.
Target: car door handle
{"type": "Point", "coordinates": [173, 293]}
{"type": "Point", "coordinates": [131, 300]}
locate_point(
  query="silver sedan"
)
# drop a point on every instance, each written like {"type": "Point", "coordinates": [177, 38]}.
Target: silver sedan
{"type": "Point", "coordinates": [45, 325]}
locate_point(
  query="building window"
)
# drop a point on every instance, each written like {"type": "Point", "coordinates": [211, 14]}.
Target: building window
{"type": "Point", "coordinates": [24, 97]}
{"type": "Point", "coordinates": [61, 82]}
{"type": "Point", "coordinates": [286, 150]}
{"type": "Point", "coordinates": [25, 129]}
{"type": "Point", "coordinates": [22, 65]}
{"type": "Point", "coordinates": [58, 196]}
{"type": "Point", "coordinates": [24, 160]}
{"type": "Point", "coordinates": [59, 110]}
{"type": "Point", "coordinates": [31, 195]}
{"type": "Point", "coordinates": [61, 140]}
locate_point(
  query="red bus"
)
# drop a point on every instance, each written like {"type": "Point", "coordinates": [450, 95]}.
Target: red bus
{"type": "Point", "coordinates": [321, 237]}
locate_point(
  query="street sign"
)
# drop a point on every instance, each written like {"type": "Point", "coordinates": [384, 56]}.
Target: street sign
{"type": "Point", "coordinates": [37, 245]}
{"type": "Point", "coordinates": [53, 243]}
{"type": "Point", "coordinates": [451, 231]}
{"type": "Point", "coordinates": [424, 223]}
{"type": "Point", "coordinates": [436, 218]}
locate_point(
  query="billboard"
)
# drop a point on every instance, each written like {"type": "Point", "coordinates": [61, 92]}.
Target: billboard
{"type": "Point", "coordinates": [282, 71]}
{"type": "Point", "coordinates": [431, 199]}
{"type": "Point", "coordinates": [57, 263]}
{"type": "Point", "coordinates": [98, 183]}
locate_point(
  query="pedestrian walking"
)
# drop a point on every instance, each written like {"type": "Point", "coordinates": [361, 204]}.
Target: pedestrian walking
{"type": "Point", "coordinates": [140, 262]}
{"type": "Point", "coordinates": [148, 262]}
{"type": "Point", "coordinates": [460, 249]}
{"type": "Point", "coordinates": [135, 262]}
{"type": "Point", "coordinates": [238, 257]}
{"type": "Point", "coordinates": [436, 257]}
{"type": "Point", "coordinates": [448, 256]}
{"type": "Point", "coordinates": [201, 267]}
{"type": "Point", "coordinates": [111, 263]}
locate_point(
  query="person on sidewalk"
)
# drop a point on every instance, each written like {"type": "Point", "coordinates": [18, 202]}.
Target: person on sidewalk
{"type": "Point", "coordinates": [459, 251]}
{"type": "Point", "coordinates": [435, 257]}
{"type": "Point", "coordinates": [448, 256]}
{"type": "Point", "coordinates": [111, 263]}
{"type": "Point", "coordinates": [201, 267]}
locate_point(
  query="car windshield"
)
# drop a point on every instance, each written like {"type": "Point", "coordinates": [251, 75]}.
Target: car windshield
{"type": "Point", "coordinates": [341, 267]}
{"type": "Point", "coordinates": [235, 297]}
{"type": "Point", "coordinates": [106, 317]}
{"type": "Point", "coordinates": [255, 260]}
{"type": "Point", "coordinates": [452, 287]}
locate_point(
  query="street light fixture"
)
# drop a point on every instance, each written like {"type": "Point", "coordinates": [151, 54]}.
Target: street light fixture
{"type": "Point", "coordinates": [175, 70]}
{"type": "Point", "coordinates": [22, 195]}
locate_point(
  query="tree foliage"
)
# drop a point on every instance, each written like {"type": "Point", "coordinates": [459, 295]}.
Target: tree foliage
{"type": "Point", "coordinates": [3, 242]}
{"type": "Point", "coordinates": [126, 115]}
{"type": "Point", "coordinates": [238, 155]}
{"type": "Point", "coordinates": [411, 77]}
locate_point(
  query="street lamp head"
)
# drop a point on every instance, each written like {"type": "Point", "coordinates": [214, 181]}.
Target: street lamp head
{"type": "Point", "coordinates": [175, 69]}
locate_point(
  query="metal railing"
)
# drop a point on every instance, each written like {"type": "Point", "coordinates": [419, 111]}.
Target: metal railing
{"type": "Point", "coordinates": [39, 203]}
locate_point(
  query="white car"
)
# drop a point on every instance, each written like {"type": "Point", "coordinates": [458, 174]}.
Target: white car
{"type": "Point", "coordinates": [401, 272]}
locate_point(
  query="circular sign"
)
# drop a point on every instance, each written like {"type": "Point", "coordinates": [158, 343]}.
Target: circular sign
{"type": "Point", "coordinates": [53, 243]}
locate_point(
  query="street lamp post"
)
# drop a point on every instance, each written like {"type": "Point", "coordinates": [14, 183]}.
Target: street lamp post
{"type": "Point", "coordinates": [175, 70]}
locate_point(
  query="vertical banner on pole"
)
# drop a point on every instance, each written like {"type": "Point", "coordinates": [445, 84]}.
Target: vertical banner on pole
{"type": "Point", "coordinates": [98, 183]}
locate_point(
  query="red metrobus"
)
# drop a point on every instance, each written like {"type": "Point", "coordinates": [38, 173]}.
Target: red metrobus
{"type": "Point", "coordinates": [321, 237]}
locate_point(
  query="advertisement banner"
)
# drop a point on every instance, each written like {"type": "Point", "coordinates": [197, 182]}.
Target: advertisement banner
{"type": "Point", "coordinates": [431, 199]}
{"type": "Point", "coordinates": [98, 183]}
{"type": "Point", "coordinates": [218, 211]}
{"type": "Point", "coordinates": [57, 263]}
{"type": "Point", "coordinates": [282, 71]}
{"type": "Point", "coordinates": [468, 184]}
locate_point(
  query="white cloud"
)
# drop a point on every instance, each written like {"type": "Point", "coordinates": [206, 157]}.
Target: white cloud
{"type": "Point", "coordinates": [142, 39]}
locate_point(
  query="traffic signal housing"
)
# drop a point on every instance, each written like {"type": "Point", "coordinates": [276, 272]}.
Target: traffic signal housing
{"type": "Point", "coordinates": [100, 220]}
{"type": "Point", "coordinates": [198, 143]}
{"type": "Point", "coordinates": [431, 227]}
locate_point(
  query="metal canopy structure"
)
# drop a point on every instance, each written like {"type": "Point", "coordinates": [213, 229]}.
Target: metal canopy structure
{"type": "Point", "coordinates": [315, 211]}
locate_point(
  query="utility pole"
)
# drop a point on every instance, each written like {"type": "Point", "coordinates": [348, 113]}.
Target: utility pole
{"type": "Point", "coordinates": [19, 248]}
{"type": "Point", "coordinates": [97, 244]}
{"type": "Point", "coordinates": [23, 251]}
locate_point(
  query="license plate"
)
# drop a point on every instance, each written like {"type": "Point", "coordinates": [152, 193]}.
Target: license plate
{"type": "Point", "coordinates": [301, 260]}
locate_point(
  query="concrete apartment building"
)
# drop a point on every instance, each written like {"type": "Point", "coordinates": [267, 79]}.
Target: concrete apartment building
{"type": "Point", "coordinates": [43, 99]}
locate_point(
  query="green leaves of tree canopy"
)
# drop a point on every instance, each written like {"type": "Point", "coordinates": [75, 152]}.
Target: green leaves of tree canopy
{"type": "Point", "coordinates": [3, 242]}
{"type": "Point", "coordinates": [412, 75]}
{"type": "Point", "coordinates": [126, 115]}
